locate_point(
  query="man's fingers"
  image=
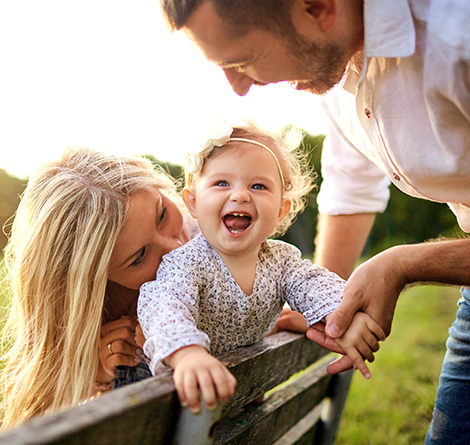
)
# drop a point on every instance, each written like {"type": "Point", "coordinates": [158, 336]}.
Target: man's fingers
{"type": "Point", "coordinates": [340, 319]}
{"type": "Point", "coordinates": [323, 340]}
{"type": "Point", "coordinates": [342, 364]}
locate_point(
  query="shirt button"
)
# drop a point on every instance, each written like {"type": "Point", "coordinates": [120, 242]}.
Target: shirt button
{"type": "Point", "coordinates": [367, 113]}
{"type": "Point", "coordinates": [396, 177]}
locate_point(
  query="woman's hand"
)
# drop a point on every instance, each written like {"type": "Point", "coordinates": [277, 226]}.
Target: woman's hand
{"type": "Point", "coordinates": [290, 320]}
{"type": "Point", "coordinates": [139, 337]}
{"type": "Point", "coordinates": [195, 369]}
{"type": "Point", "coordinates": [117, 347]}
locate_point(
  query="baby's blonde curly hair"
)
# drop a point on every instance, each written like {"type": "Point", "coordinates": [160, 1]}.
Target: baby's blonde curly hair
{"type": "Point", "coordinates": [299, 178]}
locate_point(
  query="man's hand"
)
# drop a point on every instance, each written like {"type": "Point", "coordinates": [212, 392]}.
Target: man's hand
{"type": "Point", "coordinates": [361, 341]}
{"type": "Point", "coordinates": [195, 369]}
{"type": "Point", "coordinates": [373, 288]}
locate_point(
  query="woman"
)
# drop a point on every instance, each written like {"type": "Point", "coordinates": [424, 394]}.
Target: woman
{"type": "Point", "coordinates": [91, 228]}
{"type": "Point", "coordinates": [59, 256]}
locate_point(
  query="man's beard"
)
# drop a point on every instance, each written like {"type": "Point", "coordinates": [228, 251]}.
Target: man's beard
{"type": "Point", "coordinates": [318, 67]}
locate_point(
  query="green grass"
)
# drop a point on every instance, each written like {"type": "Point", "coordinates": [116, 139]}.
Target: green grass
{"type": "Point", "coordinates": [395, 405]}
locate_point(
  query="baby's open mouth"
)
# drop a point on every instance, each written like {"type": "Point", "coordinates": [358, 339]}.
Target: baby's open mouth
{"type": "Point", "coordinates": [236, 222]}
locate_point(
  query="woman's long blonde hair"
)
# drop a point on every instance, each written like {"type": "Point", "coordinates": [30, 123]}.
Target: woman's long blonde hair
{"type": "Point", "coordinates": [57, 261]}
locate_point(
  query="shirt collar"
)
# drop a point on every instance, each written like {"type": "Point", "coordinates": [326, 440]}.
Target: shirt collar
{"type": "Point", "coordinates": [388, 32]}
{"type": "Point", "coordinates": [388, 29]}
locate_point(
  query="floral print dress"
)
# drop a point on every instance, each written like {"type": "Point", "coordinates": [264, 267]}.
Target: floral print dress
{"type": "Point", "coordinates": [195, 300]}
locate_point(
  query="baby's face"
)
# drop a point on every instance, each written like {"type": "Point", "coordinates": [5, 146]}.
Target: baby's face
{"type": "Point", "coordinates": [237, 199]}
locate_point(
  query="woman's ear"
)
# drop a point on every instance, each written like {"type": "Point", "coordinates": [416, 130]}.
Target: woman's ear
{"type": "Point", "coordinates": [189, 198]}
{"type": "Point", "coordinates": [311, 16]}
{"type": "Point", "coordinates": [284, 209]}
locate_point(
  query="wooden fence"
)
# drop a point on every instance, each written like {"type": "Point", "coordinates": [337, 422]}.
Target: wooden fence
{"type": "Point", "coordinates": [304, 409]}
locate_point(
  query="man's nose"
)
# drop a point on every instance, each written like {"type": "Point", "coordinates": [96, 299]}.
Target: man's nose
{"type": "Point", "coordinates": [240, 82]}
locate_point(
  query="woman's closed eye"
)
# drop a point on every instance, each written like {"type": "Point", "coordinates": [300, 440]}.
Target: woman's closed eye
{"type": "Point", "coordinates": [162, 214]}
{"type": "Point", "coordinates": [140, 258]}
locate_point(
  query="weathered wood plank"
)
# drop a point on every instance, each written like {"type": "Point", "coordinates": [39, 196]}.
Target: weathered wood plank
{"type": "Point", "coordinates": [267, 364]}
{"type": "Point", "coordinates": [147, 412]}
{"type": "Point", "coordinates": [304, 432]}
{"type": "Point", "coordinates": [331, 415]}
{"type": "Point", "coordinates": [265, 423]}
{"type": "Point", "coordinates": [143, 413]}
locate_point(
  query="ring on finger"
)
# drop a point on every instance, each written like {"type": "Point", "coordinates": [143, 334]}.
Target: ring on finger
{"type": "Point", "coordinates": [110, 349]}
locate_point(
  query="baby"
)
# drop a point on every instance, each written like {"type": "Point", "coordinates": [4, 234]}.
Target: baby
{"type": "Point", "coordinates": [227, 287]}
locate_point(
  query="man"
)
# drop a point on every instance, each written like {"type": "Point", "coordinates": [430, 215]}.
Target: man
{"type": "Point", "coordinates": [396, 82]}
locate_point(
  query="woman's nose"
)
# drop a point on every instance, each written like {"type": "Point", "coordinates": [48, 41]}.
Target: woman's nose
{"type": "Point", "coordinates": [170, 243]}
{"type": "Point", "coordinates": [240, 82]}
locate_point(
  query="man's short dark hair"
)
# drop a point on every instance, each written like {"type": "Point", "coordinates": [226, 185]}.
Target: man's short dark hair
{"type": "Point", "coordinates": [241, 16]}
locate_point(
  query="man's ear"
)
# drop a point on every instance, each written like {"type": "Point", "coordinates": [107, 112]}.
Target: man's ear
{"type": "Point", "coordinates": [312, 16]}
{"type": "Point", "coordinates": [189, 198]}
{"type": "Point", "coordinates": [284, 209]}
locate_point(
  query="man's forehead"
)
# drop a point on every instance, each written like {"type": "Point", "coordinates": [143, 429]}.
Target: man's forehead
{"type": "Point", "coordinates": [209, 33]}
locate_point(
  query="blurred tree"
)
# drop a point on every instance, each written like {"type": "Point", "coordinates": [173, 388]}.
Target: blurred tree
{"type": "Point", "coordinates": [174, 170]}
{"type": "Point", "coordinates": [406, 219]}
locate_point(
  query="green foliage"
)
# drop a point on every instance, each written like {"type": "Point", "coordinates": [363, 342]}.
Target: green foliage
{"type": "Point", "coordinates": [174, 170]}
{"type": "Point", "coordinates": [302, 232]}
{"type": "Point", "coordinates": [11, 189]}
{"type": "Point", "coordinates": [395, 406]}
{"type": "Point", "coordinates": [410, 220]}
{"type": "Point", "coordinates": [406, 219]}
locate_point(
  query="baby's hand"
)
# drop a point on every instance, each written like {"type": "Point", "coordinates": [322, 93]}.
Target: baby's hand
{"type": "Point", "coordinates": [361, 340]}
{"type": "Point", "coordinates": [196, 369]}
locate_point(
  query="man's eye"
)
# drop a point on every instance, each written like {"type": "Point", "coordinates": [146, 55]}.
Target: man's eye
{"type": "Point", "coordinates": [140, 258]}
{"type": "Point", "coordinates": [259, 187]}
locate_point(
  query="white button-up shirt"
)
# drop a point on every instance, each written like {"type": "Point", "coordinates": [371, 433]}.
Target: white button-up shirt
{"type": "Point", "coordinates": [406, 116]}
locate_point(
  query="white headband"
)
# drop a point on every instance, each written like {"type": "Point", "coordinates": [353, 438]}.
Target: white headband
{"type": "Point", "coordinates": [194, 161]}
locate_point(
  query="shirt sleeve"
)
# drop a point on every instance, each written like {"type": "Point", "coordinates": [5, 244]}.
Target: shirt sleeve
{"type": "Point", "coordinates": [309, 289]}
{"type": "Point", "coordinates": [168, 312]}
{"type": "Point", "coordinates": [351, 182]}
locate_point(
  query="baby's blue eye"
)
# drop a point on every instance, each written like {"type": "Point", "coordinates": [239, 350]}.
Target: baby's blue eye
{"type": "Point", "coordinates": [259, 187]}
{"type": "Point", "coordinates": [221, 184]}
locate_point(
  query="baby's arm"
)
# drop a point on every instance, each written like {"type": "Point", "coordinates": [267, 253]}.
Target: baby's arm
{"type": "Point", "coordinates": [196, 368]}
{"type": "Point", "coordinates": [361, 340]}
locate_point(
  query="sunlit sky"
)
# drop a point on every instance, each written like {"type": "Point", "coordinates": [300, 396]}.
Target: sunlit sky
{"type": "Point", "coordinates": [109, 75]}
